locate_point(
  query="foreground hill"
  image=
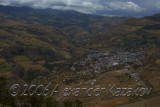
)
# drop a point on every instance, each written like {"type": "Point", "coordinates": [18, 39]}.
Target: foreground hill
{"type": "Point", "coordinates": [26, 48]}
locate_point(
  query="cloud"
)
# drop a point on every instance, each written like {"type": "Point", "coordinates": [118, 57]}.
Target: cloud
{"type": "Point", "coordinates": [124, 6]}
{"type": "Point", "coordinates": [88, 6]}
{"type": "Point", "coordinates": [85, 6]}
{"type": "Point", "coordinates": [158, 5]}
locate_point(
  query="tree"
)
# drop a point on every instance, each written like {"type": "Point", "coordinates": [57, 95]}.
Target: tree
{"type": "Point", "coordinates": [36, 101]}
{"type": "Point", "coordinates": [77, 103]}
{"type": "Point", "coordinates": [5, 98]}
{"type": "Point", "coordinates": [50, 102]}
{"type": "Point", "coordinates": [68, 103]}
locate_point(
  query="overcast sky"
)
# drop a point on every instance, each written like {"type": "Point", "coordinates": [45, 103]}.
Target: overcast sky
{"type": "Point", "coordinates": [112, 7]}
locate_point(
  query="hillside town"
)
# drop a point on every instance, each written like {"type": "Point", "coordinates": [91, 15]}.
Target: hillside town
{"type": "Point", "coordinates": [95, 61]}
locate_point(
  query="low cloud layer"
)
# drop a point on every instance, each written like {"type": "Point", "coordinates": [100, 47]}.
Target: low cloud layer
{"type": "Point", "coordinates": [89, 6]}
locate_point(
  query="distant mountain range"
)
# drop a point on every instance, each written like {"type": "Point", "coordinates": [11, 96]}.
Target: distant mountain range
{"type": "Point", "coordinates": [56, 18]}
